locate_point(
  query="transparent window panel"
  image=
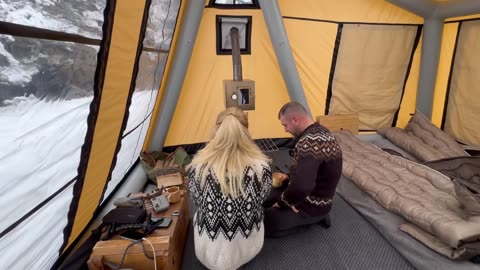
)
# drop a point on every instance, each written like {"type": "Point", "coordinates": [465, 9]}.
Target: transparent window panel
{"type": "Point", "coordinates": [161, 23]}
{"type": "Point", "coordinates": [148, 81]}
{"type": "Point", "coordinates": [47, 88]}
{"type": "Point", "coordinates": [152, 102]}
{"type": "Point", "coordinates": [35, 243]}
{"type": "Point", "coordinates": [70, 16]}
{"type": "Point", "coordinates": [141, 139]}
{"type": "Point", "coordinates": [128, 154]}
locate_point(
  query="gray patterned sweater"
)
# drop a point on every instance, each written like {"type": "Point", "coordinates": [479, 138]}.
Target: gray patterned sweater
{"type": "Point", "coordinates": [228, 232]}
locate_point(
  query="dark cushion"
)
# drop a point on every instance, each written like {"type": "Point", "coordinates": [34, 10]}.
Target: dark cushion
{"type": "Point", "coordinates": [468, 198]}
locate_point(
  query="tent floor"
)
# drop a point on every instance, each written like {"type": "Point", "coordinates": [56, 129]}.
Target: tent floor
{"type": "Point", "coordinates": [350, 243]}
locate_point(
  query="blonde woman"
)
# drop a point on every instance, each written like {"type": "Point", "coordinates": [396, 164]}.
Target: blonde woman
{"type": "Point", "coordinates": [228, 180]}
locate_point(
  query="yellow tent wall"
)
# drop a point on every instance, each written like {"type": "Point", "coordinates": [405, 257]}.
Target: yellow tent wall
{"type": "Point", "coordinates": [312, 41]}
{"type": "Point", "coordinates": [446, 56]}
{"type": "Point", "coordinates": [365, 11]}
{"type": "Point", "coordinates": [123, 49]}
{"type": "Point", "coordinates": [410, 96]}
{"type": "Point", "coordinates": [313, 58]}
{"type": "Point", "coordinates": [202, 96]}
{"type": "Point", "coordinates": [469, 17]}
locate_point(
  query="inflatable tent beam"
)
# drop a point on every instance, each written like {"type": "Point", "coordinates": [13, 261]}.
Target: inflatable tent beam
{"type": "Point", "coordinates": [283, 51]}
{"type": "Point", "coordinates": [439, 10]}
{"type": "Point", "coordinates": [457, 8]}
{"type": "Point", "coordinates": [431, 45]}
{"type": "Point", "coordinates": [176, 76]}
{"type": "Point", "coordinates": [421, 8]}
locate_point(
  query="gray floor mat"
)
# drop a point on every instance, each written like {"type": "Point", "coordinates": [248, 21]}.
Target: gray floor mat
{"type": "Point", "coordinates": [350, 243]}
{"type": "Point", "coordinates": [387, 224]}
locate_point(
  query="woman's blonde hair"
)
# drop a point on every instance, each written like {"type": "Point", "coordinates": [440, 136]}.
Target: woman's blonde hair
{"type": "Point", "coordinates": [229, 152]}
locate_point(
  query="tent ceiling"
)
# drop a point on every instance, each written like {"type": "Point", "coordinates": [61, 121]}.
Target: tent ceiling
{"type": "Point", "coordinates": [439, 8]}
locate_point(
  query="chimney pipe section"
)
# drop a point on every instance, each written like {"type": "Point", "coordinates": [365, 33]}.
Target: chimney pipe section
{"type": "Point", "coordinates": [237, 60]}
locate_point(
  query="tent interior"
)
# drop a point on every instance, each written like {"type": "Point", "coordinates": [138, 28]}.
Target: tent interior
{"type": "Point", "coordinates": [86, 87]}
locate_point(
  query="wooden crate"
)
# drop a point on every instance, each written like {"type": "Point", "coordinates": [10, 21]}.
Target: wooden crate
{"type": "Point", "coordinates": [168, 243]}
{"type": "Point", "coordinates": [169, 180]}
{"type": "Point", "coordinates": [336, 122]}
{"type": "Point", "coordinates": [112, 251]}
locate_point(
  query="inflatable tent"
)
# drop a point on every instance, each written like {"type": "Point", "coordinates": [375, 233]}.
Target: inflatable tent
{"type": "Point", "coordinates": [86, 86]}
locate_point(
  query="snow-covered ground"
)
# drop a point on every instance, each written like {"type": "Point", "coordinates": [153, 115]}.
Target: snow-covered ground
{"type": "Point", "coordinates": [41, 142]}
{"type": "Point", "coordinates": [40, 146]}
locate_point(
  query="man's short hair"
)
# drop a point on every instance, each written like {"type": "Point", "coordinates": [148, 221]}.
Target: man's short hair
{"type": "Point", "coordinates": [290, 107]}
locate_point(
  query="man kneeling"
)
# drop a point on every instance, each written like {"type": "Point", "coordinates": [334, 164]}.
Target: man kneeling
{"type": "Point", "coordinates": [306, 195]}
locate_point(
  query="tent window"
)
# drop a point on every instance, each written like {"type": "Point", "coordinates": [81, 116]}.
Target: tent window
{"type": "Point", "coordinates": [234, 4]}
{"type": "Point", "coordinates": [462, 120]}
{"type": "Point", "coordinates": [162, 18]}
{"type": "Point", "coordinates": [223, 26]}
{"type": "Point", "coordinates": [370, 72]}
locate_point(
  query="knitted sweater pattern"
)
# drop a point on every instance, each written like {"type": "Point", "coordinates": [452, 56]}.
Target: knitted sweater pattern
{"type": "Point", "coordinates": [315, 172]}
{"type": "Point", "coordinates": [218, 214]}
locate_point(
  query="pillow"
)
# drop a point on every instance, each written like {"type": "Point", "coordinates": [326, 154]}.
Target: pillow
{"type": "Point", "coordinates": [431, 135]}
{"type": "Point", "coordinates": [468, 198]}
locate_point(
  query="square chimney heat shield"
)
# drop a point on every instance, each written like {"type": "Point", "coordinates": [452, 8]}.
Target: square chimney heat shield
{"type": "Point", "coordinates": [234, 2]}
{"type": "Point", "coordinates": [239, 94]}
{"type": "Point", "coordinates": [244, 26]}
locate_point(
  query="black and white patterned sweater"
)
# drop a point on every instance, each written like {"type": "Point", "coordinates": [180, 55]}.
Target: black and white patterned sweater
{"type": "Point", "coordinates": [228, 232]}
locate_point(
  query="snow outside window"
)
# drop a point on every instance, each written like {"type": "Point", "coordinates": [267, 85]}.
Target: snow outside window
{"type": "Point", "coordinates": [83, 18]}
{"type": "Point", "coordinates": [47, 88]}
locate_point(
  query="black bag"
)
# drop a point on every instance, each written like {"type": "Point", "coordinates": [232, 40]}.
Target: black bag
{"type": "Point", "coordinates": [125, 216]}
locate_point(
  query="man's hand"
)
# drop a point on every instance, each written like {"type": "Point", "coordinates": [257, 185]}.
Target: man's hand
{"type": "Point", "coordinates": [280, 176]}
